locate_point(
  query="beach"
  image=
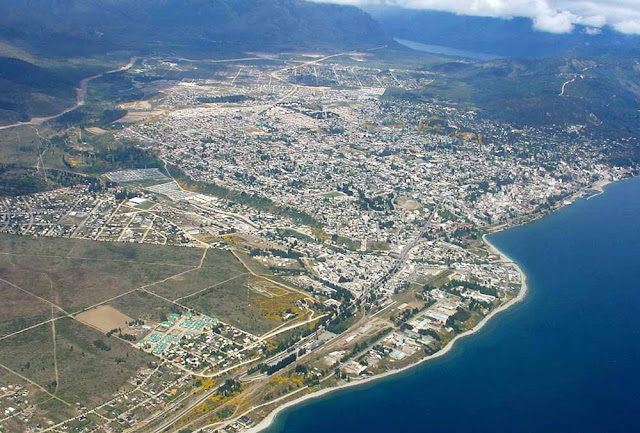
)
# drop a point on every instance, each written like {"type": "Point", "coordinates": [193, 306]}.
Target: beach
{"type": "Point", "coordinates": [268, 420]}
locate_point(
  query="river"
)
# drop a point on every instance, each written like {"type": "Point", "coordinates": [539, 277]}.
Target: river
{"type": "Point", "coordinates": [564, 360]}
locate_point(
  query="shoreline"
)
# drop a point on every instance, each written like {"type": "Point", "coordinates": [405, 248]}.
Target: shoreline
{"type": "Point", "coordinates": [599, 187]}
{"type": "Point", "coordinates": [270, 418]}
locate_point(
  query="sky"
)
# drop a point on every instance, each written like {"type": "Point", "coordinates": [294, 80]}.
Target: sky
{"type": "Point", "coordinates": [554, 16]}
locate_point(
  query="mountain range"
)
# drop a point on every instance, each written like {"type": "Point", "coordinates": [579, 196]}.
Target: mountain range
{"type": "Point", "coordinates": [513, 37]}
{"type": "Point", "coordinates": [47, 45]}
{"type": "Point", "coordinates": [38, 37]}
{"type": "Point", "coordinates": [164, 26]}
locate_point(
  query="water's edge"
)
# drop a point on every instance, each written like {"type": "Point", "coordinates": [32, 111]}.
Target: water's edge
{"type": "Point", "coordinates": [270, 418]}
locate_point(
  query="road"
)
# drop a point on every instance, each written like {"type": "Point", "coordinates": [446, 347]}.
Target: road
{"type": "Point", "coordinates": [31, 218]}
{"type": "Point", "coordinates": [565, 84]}
{"type": "Point", "coordinates": [81, 96]}
{"type": "Point", "coordinates": [168, 423]}
{"type": "Point", "coordinates": [402, 258]}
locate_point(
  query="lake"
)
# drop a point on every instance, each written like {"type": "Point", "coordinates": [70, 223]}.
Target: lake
{"type": "Point", "coordinates": [447, 51]}
{"type": "Point", "coordinates": [564, 360]}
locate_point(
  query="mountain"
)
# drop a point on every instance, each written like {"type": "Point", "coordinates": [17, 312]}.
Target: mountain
{"type": "Point", "coordinates": [514, 37]}
{"type": "Point", "coordinates": [170, 26]}
{"type": "Point", "coordinates": [28, 90]}
{"type": "Point", "coordinates": [49, 32]}
{"type": "Point", "coordinates": [598, 95]}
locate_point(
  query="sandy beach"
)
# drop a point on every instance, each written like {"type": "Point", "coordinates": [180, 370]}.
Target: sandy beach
{"type": "Point", "coordinates": [599, 187]}
{"type": "Point", "coordinates": [268, 420]}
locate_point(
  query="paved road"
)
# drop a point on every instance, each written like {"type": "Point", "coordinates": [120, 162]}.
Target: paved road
{"type": "Point", "coordinates": [402, 258]}
{"type": "Point", "coordinates": [81, 96]}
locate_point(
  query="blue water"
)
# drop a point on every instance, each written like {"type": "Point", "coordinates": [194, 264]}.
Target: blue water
{"type": "Point", "coordinates": [567, 359]}
{"type": "Point", "coordinates": [447, 51]}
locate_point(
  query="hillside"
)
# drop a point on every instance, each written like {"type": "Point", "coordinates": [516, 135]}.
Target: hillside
{"type": "Point", "coordinates": [514, 37]}
{"type": "Point", "coordinates": [41, 79]}
{"type": "Point", "coordinates": [598, 95]}
{"type": "Point", "coordinates": [186, 26]}
{"type": "Point", "coordinates": [28, 90]}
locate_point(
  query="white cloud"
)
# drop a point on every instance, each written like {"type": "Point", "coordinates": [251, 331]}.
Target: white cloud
{"type": "Point", "coordinates": [555, 16]}
{"type": "Point", "coordinates": [592, 31]}
{"type": "Point", "coordinates": [554, 22]}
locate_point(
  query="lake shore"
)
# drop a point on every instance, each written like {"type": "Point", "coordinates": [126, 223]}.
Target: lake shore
{"type": "Point", "coordinates": [265, 423]}
{"type": "Point", "coordinates": [269, 419]}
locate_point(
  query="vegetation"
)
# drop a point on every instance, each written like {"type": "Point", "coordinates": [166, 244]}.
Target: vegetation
{"type": "Point", "coordinates": [221, 99]}
{"type": "Point", "coordinates": [471, 286]}
{"type": "Point", "coordinates": [103, 25]}
{"type": "Point", "coordinates": [281, 364]}
{"type": "Point", "coordinates": [526, 92]}
{"type": "Point", "coordinates": [260, 203]}
{"type": "Point", "coordinates": [101, 345]}
{"type": "Point", "coordinates": [24, 86]}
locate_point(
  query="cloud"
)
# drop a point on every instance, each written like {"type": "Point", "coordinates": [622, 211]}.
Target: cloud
{"type": "Point", "coordinates": [592, 31]}
{"type": "Point", "coordinates": [554, 16]}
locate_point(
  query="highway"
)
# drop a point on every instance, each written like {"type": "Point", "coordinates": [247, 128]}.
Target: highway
{"type": "Point", "coordinates": [81, 96]}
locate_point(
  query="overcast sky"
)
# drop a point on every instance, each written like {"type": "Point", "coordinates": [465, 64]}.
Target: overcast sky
{"type": "Point", "coordinates": [556, 16]}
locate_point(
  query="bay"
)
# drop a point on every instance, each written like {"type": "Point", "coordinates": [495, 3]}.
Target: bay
{"type": "Point", "coordinates": [566, 359]}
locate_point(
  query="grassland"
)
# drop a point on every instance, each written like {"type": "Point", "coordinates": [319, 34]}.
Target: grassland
{"type": "Point", "coordinates": [239, 304]}
{"type": "Point", "coordinates": [145, 306]}
{"type": "Point", "coordinates": [49, 342]}
{"type": "Point", "coordinates": [77, 371]}
{"type": "Point", "coordinates": [73, 284]}
{"type": "Point", "coordinates": [43, 283]}
{"type": "Point", "coordinates": [218, 266]}
{"type": "Point", "coordinates": [19, 146]}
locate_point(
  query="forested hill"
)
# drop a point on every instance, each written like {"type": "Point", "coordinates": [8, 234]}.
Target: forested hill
{"type": "Point", "coordinates": [514, 37]}
{"type": "Point", "coordinates": [178, 26]}
{"type": "Point", "coordinates": [28, 90]}
{"type": "Point", "coordinates": [43, 36]}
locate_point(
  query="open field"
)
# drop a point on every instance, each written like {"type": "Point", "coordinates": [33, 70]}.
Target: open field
{"type": "Point", "coordinates": [19, 310]}
{"type": "Point", "coordinates": [145, 306]}
{"type": "Point", "coordinates": [218, 266]}
{"type": "Point", "coordinates": [75, 284]}
{"type": "Point", "coordinates": [71, 275]}
{"type": "Point", "coordinates": [68, 359]}
{"type": "Point", "coordinates": [91, 374]}
{"type": "Point", "coordinates": [408, 204]}
{"type": "Point", "coordinates": [266, 289]}
{"type": "Point", "coordinates": [19, 145]}
{"type": "Point", "coordinates": [238, 303]}
{"type": "Point", "coordinates": [136, 116]}
{"type": "Point", "coordinates": [98, 251]}
{"type": "Point", "coordinates": [79, 369]}
{"type": "Point", "coordinates": [59, 297]}
{"type": "Point", "coordinates": [31, 355]}
{"type": "Point", "coordinates": [105, 318]}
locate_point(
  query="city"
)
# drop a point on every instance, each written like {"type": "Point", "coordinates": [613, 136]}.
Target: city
{"type": "Point", "coordinates": [331, 234]}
